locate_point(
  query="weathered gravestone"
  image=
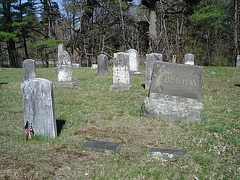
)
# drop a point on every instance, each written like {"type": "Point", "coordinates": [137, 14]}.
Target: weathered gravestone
{"type": "Point", "coordinates": [150, 59]}
{"type": "Point", "coordinates": [65, 68]}
{"type": "Point", "coordinates": [75, 66]}
{"type": "Point", "coordinates": [189, 59]}
{"type": "Point", "coordinates": [29, 69]}
{"type": "Point", "coordinates": [133, 62]}
{"type": "Point", "coordinates": [38, 106]}
{"type": "Point", "coordinates": [121, 72]}
{"type": "Point", "coordinates": [61, 48]}
{"type": "Point", "coordinates": [238, 61]}
{"type": "Point", "coordinates": [102, 146]}
{"type": "Point", "coordinates": [174, 93]}
{"type": "Point", "coordinates": [167, 154]}
{"type": "Point", "coordinates": [102, 64]}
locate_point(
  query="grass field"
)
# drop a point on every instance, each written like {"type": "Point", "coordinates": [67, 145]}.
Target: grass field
{"type": "Point", "coordinates": [92, 112]}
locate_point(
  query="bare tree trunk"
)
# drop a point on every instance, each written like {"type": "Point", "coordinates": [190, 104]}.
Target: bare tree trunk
{"type": "Point", "coordinates": [152, 26]}
{"type": "Point", "coordinates": [236, 27]}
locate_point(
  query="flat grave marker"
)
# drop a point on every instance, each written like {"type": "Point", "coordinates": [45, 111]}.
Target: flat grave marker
{"type": "Point", "coordinates": [102, 146]}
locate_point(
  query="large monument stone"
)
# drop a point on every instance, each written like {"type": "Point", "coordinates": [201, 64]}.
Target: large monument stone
{"type": "Point", "coordinates": [38, 106]}
{"type": "Point", "coordinates": [175, 93]}
{"type": "Point", "coordinates": [121, 72]}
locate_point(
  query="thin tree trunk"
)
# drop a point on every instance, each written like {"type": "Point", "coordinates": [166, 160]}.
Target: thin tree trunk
{"type": "Point", "coordinates": [236, 27]}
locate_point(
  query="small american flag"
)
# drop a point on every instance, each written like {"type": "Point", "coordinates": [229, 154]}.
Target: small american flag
{"type": "Point", "coordinates": [28, 130]}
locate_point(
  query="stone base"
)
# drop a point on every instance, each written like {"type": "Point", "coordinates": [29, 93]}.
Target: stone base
{"type": "Point", "coordinates": [135, 73]}
{"type": "Point", "coordinates": [119, 87]}
{"type": "Point", "coordinates": [172, 108]}
{"type": "Point", "coordinates": [64, 84]}
{"type": "Point", "coordinates": [167, 154]}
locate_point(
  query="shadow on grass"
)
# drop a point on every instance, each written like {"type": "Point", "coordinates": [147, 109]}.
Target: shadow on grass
{"type": "Point", "coordinates": [3, 83]}
{"type": "Point", "coordinates": [143, 85]}
{"type": "Point", "coordinates": [60, 124]}
{"type": "Point", "coordinates": [237, 85]}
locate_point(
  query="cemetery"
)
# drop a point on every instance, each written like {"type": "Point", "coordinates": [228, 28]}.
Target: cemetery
{"type": "Point", "coordinates": [103, 123]}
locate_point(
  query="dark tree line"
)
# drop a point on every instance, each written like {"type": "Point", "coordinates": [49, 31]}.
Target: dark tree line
{"type": "Point", "coordinates": [33, 29]}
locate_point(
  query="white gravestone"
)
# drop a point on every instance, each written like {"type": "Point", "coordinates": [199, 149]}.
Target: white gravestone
{"type": "Point", "coordinates": [189, 59]}
{"type": "Point", "coordinates": [61, 48]}
{"type": "Point", "coordinates": [150, 59]}
{"type": "Point", "coordinates": [65, 68]}
{"type": "Point", "coordinates": [38, 106]}
{"type": "Point", "coordinates": [29, 69]}
{"type": "Point", "coordinates": [121, 72]}
{"type": "Point", "coordinates": [238, 61]}
{"type": "Point", "coordinates": [133, 60]}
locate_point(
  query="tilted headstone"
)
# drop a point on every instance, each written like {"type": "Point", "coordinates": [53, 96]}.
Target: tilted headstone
{"type": "Point", "coordinates": [189, 59]}
{"type": "Point", "coordinates": [61, 48]}
{"type": "Point", "coordinates": [150, 59]}
{"type": "Point", "coordinates": [238, 61]}
{"type": "Point", "coordinates": [133, 60]}
{"type": "Point", "coordinates": [29, 69]}
{"type": "Point", "coordinates": [175, 93]}
{"type": "Point", "coordinates": [102, 64]}
{"type": "Point", "coordinates": [65, 68]}
{"type": "Point", "coordinates": [38, 106]}
{"type": "Point", "coordinates": [121, 72]}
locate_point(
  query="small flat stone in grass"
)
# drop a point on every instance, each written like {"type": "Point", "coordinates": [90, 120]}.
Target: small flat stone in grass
{"type": "Point", "coordinates": [167, 154]}
{"type": "Point", "coordinates": [102, 146]}
{"type": "Point", "coordinates": [60, 84]}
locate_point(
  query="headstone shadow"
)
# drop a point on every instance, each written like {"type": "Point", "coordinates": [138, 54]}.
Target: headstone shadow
{"type": "Point", "coordinates": [3, 83]}
{"type": "Point", "coordinates": [60, 124]}
{"type": "Point", "coordinates": [143, 85]}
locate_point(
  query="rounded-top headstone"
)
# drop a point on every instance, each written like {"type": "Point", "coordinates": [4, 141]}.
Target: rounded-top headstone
{"type": "Point", "coordinates": [29, 69]}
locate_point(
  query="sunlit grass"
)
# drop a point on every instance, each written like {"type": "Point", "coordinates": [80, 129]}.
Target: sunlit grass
{"type": "Point", "coordinates": [92, 111]}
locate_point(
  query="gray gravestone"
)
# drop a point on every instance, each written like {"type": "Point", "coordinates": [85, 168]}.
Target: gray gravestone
{"type": "Point", "coordinates": [38, 106]}
{"type": "Point", "coordinates": [61, 48]}
{"type": "Point", "coordinates": [75, 66]}
{"type": "Point", "coordinates": [150, 59]}
{"type": "Point", "coordinates": [29, 69]}
{"type": "Point", "coordinates": [175, 93]}
{"type": "Point", "coordinates": [102, 146]}
{"type": "Point", "coordinates": [189, 59]}
{"type": "Point", "coordinates": [102, 64]}
{"type": "Point", "coordinates": [65, 68]}
{"type": "Point", "coordinates": [121, 72]}
{"type": "Point", "coordinates": [238, 61]}
{"type": "Point", "coordinates": [167, 154]}
{"type": "Point", "coordinates": [133, 61]}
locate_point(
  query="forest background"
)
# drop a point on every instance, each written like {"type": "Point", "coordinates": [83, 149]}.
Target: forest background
{"type": "Point", "coordinates": [32, 29]}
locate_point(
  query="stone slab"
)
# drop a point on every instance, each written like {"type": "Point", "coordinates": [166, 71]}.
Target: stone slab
{"type": "Point", "coordinates": [167, 154]}
{"type": "Point", "coordinates": [177, 80]}
{"type": "Point", "coordinates": [64, 84]}
{"type": "Point", "coordinates": [102, 146]}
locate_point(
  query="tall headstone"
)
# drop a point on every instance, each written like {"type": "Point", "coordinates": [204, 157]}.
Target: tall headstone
{"type": "Point", "coordinates": [61, 48]}
{"type": "Point", "coordinates": [102, 64]}
{"type": "Point", "coordinates": [189, 59]}
{"type": "Point", "coordinates": [134, 62]}
{"type": "Point", "coordinates": [238, 61]}
{"type": "Point", "coordinates": [121, 72]}
{"type": "Point", "coordinates": [150, 59]}
{"type": "Point", "coordinates": [29, 69]}
{"type": "Point", "coordinates": [38, 106]}
{"type": "Point", "coordinates": [175, 93]}
{"type": "Point", "coordinates": [65, 67]}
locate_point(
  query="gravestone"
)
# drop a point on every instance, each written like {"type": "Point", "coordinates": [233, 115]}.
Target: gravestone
{"type": "Point", "coordinates": [75, 66]}
{"type": "Point", "coordinates": [65, 68]}
{"type": "Point", "coordinates": [102, 64]}
{"type": "Point", "coordinates": [102, 146]}
{"type": "Point", "coordinates": [94, 66]}
{"type": "Point", "coordinates": [61, 48]}
{"type": "Point", "coordinates": [29, 69]}
{"type": "Point", "coordinates": [238, 61]}
{"type": "Point", "coordinates": [150, 59]}
{"type": "Point", "coordinates": [121, 72]}
{"type": "Point", "coordinates": [38, 106]}
{"type": "Point", "coordinates": [134, 62]}
{"type": "Point", "coordinates": [167, 154]}
{"type": "Point", "coordinates": [189, 59]}
{"type": "Point", "coordinates": [175, 93]}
